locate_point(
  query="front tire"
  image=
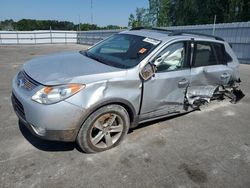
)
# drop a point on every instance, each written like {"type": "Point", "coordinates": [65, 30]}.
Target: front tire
{"type": "Point", "coordinates": [104, 129]}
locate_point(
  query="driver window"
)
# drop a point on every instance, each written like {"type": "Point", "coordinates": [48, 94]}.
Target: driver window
{"type": "Point", "coordinates": [171, 58]}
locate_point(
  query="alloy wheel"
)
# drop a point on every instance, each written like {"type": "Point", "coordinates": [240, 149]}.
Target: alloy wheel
{"type": "Point", "coordinates": [106, 130]}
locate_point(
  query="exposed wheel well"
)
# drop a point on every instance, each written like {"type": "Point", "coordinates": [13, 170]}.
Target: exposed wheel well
{"type": "Point", "coordinates": [129, 110]}
{"type": "Point", "coordinates": [133, 117]}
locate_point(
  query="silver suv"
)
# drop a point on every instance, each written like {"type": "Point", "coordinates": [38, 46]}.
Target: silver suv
{"type": "Point", "coordinates": [95, 96]}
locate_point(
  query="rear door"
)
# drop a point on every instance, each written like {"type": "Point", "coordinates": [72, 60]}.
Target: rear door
{"type": "Point", "coordinates": [209, 66]}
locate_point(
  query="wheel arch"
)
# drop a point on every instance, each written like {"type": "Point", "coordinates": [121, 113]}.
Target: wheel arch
{"type": "Point", "coordinates": [133, 117]}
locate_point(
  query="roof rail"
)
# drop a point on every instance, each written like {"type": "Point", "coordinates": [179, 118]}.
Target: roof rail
{"type": "Point", "coordinates": [151, 28]}
{"type": "Point", "coordinates": [160, 29]}
{"type": "Point", "coordinates": [194, 33]}
{"type": "Point", "coordinates": [139, 28]}
{"type": "Point", "coordinates": [176, 32]}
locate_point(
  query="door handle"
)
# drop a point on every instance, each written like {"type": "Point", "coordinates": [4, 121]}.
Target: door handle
{"type": "Point", "coordinates": [224, 76]}
{"type": "Point", "coordinates": [183, 82]}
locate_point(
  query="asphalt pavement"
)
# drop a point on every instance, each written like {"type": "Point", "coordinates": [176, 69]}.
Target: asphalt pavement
{"type": "Point", "coordinates": [208, 148]}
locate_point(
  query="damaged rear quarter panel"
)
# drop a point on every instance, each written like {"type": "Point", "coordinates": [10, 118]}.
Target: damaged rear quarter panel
{"type": "Point", "coordinates": [234, 64]}
{"type": "Point", "coordinates": [206, 79]}
{"type": "Point", "coordinates": [210, 75]}
{"type": "Point", "coordinates": [195, 93]}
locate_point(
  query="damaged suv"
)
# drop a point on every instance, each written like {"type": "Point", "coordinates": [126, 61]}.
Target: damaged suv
{"type": "Point", "coordinates": [95, 96]}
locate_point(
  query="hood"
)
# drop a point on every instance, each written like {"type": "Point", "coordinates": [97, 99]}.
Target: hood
{"type": "Point", "coordinates": [64, 68]}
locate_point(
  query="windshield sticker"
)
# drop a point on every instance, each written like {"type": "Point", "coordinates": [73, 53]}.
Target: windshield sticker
{"type": "Point", "coordinates": [152, 41]}
{"type": "Point", "coordinates": [142, 50]}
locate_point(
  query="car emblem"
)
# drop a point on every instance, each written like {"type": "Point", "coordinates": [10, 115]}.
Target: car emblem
{"type": "Point", "coordinates": [20, 82]}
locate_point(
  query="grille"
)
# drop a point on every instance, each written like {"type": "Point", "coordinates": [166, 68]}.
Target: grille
{"type": "Point", "coordinates": [18, 107]}
{"type": "Point", "coordinates": [23, 80]}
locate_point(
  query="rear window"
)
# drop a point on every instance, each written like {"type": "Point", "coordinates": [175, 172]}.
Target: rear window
{"type": "Point", "coordinates": [222, 56]}
{"type": "Point", "coordinates": [207, 54]}
{"type": "Point", "coordinates": [204, 55]}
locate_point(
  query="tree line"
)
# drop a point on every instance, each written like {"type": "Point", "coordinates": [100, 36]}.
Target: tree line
{"type": "Point", "coordinates": [163, 13]}
{"type": "Point", "coordinates": [31, 24]}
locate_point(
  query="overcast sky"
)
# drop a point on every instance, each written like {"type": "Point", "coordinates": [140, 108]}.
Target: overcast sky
{"type": "Point", "coordinates": [105, 12]}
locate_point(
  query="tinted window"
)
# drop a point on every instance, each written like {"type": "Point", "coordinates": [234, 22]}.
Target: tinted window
{"type": "Point", "coordinates": [220, 53]}
{"type": "Point", "coordinates": [122, 50]}
{"type": "Point", "coordinates": [204, 55]}
{"type": "Point", "coordinates": [171, 58]}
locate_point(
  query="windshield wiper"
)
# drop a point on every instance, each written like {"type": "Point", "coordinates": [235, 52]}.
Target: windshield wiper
{"type": "Point", "coordinates": [89, 55]}
{"type": "Point", "coordinates": [101, 60]}
{"type": "Point", "coordinates": [92, 56]}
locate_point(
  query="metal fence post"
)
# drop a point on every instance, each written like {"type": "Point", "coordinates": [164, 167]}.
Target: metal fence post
{"type": "Point", "coordinates": [17, 37]}
{"type": "Point", "coordinates": [50, 36]}
{"type": "Point", "coordinates": [65, 37]}
{"type": "Point", "coordinates": [1, 39]}
{"type": "Point", "coordinates": [35, 37]}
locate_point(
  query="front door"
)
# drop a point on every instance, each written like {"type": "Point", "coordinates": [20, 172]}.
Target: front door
{"type": "Point", "coordinates": [164, 93]}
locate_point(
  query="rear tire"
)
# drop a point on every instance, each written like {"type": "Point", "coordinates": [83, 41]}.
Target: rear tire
{"type": "Point", "coordinates": [104, 129]}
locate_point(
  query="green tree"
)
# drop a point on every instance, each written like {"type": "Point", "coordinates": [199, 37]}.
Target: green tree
{"type": "Point", "coordinates": [140, 15]}
{"type": "Point", "coordinates": [159, 11]}
{"type": "Point", "coordinates": [110, 27]}
{"type": "Point", "coordinates": [7, 25]}
{"type": "Point", "coordinates": [163, 19]}
{"type": "Point", "coordinates": [131, 20]}
{"type": "Point", "coordinates": [154, 8]}
{"type": "Point", "coordinates": [183, 12]}
{"type": "Point", "coordinates": [140, 19]}
{"type": "Point", "coordinates": [88, 27]}
{"type": "Point", "coordinates": [190, 12]}
{"type": "Point", "coordinates": [29, 25]}
{"type": "Point", "coordinates": [245, 13]}
{"type": "Point", "coordinates": [238, 10]}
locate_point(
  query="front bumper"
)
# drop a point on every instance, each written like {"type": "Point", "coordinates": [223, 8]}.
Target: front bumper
{"type": "Point", "coordinates": [53, 135]}
{"type": "Point", "coordinates": [59, 122]}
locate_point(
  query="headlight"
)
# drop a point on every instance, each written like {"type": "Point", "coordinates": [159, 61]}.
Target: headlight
{"type": "Point", "coordinates": [54, 94]}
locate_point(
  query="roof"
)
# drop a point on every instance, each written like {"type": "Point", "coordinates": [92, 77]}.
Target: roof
{"type": "Point", "coordinates": [166, 35]}
{"type": "Point", "coordinates": [148, 33]}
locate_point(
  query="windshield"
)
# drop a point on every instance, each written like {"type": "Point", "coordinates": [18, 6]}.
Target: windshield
{"type": "Point", "coordinates": [122, 50]}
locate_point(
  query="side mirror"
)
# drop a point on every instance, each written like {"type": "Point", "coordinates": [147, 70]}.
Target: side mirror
{"type": "Point", "coordinates": [147, 71]}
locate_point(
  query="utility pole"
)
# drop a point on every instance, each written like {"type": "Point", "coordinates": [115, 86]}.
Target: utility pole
{"type": "Point", "coordinates": [91, 7]}
{"type": "Point", "coordinates": [79, 21]}
{"type": "Point", "coordinates": [214, 24]}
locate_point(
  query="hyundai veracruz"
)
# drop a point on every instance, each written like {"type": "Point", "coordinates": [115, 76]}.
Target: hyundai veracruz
{"type": "Point", "coordinates": [95, 96]}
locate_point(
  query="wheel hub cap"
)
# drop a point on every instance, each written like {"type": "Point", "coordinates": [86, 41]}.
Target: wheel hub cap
{"type": "Point", "coordinates": [106, 130]}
